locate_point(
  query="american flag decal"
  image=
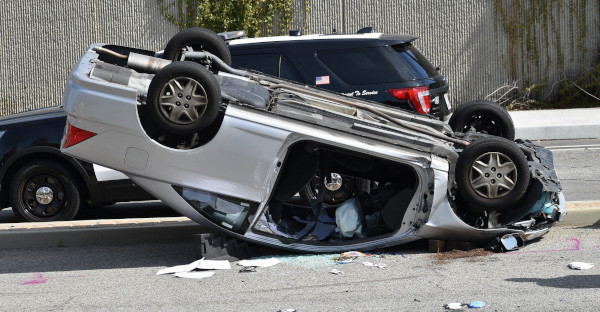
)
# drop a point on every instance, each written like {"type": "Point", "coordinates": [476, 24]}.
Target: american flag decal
{"type": "Point", "coordinates": [321, 80]}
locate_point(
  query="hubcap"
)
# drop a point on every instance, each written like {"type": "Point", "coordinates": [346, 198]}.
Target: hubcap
{"type": "Point", "coordinates": [493, 175]}
{"type": "Point", "coordinates": [182, 100]}
{"type": "Point", "coordinates": [44, 195]}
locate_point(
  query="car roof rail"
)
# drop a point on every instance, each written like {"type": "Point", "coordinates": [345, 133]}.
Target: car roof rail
{"type": "Point", "coordinates": [231, 35]}
{"type": "Point", "coordinates": [365, 30]}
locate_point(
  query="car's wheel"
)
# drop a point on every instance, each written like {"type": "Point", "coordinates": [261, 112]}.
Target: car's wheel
{"type": "Point", "coordinates": [492, 174]}
{"type": "Point", "coordinates": [44, 191]}
{"type": "Point", "coordinates": [184, 98]}
{"type": "Point", "coordinates": [199, 39]}
{"type": "Point", "coordinates": [483, 116]}
{"type": "Point", "coordinates": [338, 189]}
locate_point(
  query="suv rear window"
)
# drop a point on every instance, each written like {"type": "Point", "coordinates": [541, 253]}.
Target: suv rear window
{"type": "Point", "coordinates": [415, 65]}
{"type": "Point", "coordinates": [372, 66]}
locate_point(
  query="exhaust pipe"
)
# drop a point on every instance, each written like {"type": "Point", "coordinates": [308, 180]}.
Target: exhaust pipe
{"type": "Point", "coordinates": [139, 62]}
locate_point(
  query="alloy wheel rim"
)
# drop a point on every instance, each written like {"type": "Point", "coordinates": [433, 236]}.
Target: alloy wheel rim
{"type": "Point", "coordinates": [183, 101]}
{"type": "Point", "coordinates": [493, 175]}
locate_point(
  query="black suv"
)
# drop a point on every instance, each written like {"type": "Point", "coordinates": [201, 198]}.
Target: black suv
{"type": "Point", "coordinates": [384, 68]}
{"type": "Point", "coordinates": [378, 67]}
{"type": "Point", "coordinates": [42, 184]}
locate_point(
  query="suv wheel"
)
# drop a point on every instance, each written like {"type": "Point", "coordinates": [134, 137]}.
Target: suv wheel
{"type": "Point", "coordinates": [44, 191]}
{"type": "Point", "coordinates": [199, 39]}
{"type": "Point", "coordinates": [483, 116]}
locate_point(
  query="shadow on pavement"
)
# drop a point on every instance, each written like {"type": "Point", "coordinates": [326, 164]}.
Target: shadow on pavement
{"type": "Point", "coordinates": [35, 260]}
{"type": "Point", "coordinates": [571, 281]}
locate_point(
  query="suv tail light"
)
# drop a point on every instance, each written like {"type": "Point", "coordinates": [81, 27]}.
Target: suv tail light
{"type": "Point", "coordinates": [74, 135]}
{"type": "Point", "coordinates": [418, 96]}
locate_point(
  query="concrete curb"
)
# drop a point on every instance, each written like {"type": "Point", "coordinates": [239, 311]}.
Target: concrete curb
{"type": "Point", "coordinates": [165, 230]}
{"type": "Point", "coordinates": [97, 232]}
{"type": "Point", "coordinates": [557, 124]}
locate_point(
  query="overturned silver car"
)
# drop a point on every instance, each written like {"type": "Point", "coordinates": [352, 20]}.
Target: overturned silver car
{"type": "Point", "coordinates": [231, 149]}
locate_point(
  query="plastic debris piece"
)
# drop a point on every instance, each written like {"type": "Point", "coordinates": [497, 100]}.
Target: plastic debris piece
{"type": "Point", "coordinates": [580, 266]}
{"type": "Point", "coordinates": [248, 269]}
{"type": "Point", "coordinates": [349, 257]}
{"type": "Point", "coordinates": [196, 275]}
{"type": "Point", "coordinates": [476, 304]}
{"type": "Point", "coordinates": [371, 264]}
{"type": "Point", "coordinates": [454, 306]}
{"type": "Point", "coordinates": [262, 263]}
{"type": "Point", "coordinates": [344, 260]}
{"type": "Point", "coordinates": [379, 265]}
{"type": "Point", "coordinates": [354, 254]}
{"type": "Point", "coordinates": [287, 310]}
{"type": "Point", "coordinates": [336, 272]}
{"type": "Point", "coordinates": [507, 242]}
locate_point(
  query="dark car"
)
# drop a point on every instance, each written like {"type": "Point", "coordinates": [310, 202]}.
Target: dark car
{"type": "Point", "coordinates": [42, 184]}
{"type": "Point", "coordinates": [380, 67]}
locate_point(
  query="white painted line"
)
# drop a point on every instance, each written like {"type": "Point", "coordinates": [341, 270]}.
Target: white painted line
{"type": "Point", "coordinates": [573, 146]}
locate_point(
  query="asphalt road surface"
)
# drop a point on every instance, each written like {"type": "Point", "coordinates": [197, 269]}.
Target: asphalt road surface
{"type": "Point", "coordinates": [577, 163]}
{"type": "Point", "coordinates": [535, 278]}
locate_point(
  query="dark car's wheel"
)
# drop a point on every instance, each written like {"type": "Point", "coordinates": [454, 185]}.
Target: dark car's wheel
{"type": "Point", "coordinates": [199, 39]}
{"type": "Point", "coordinates": [337, 189]}
{"type": "Point", "coordinates": [483, 116]}
{"type": "Point", "coordinates": [184, 98]}
{"type": "Point", "coordinates": [44, 191]}
{"type": "Point", "coordinates": [492, 174]}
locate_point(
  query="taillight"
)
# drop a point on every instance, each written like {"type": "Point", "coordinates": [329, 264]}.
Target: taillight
{"type": "Point", "coordinates": [418, 97]}
{"type": "Point", "coordinates": [74, 135]}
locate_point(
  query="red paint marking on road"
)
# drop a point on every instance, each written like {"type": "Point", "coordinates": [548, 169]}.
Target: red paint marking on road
{"type": "Point", "coordinates": [39, 280]}
{"type": "Point", "coordinates": [575, 248]}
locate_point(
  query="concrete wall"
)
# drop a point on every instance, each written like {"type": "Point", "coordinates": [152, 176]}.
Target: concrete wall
{"type": "Point", "coordinates": [41, 39]}
{"type": "Point", "coordinates": [467, 40]}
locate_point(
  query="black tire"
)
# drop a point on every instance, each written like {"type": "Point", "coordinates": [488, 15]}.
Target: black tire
{"type": "Point", "coordinates": [200, 39]}
{"type": "Point", "coordinates": [492, 174]}
{"type": "Point", "coordinates": [27, 198]}
{"type": "Point", "coordinates": [483, 116]}
{"type": "Point", "coordinates": [194, 100]}
{"type": "Point", "coordinates": [330, 198]}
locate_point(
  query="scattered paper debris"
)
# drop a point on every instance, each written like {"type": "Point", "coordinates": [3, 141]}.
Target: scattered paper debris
{"type": "Point", "coordinates": [371, 264]}
{"type": "Point", "coordinates": [336, 272]}
{"type": "Point", "coordinates": [196, 275]}
{"type": "Point", "coordinates": [180, 268]}
{"type": "Point", "coordinates": [198, 264]}
{"type": "Point", "coordinates": [580, 266]}
{"type": "Point", "coordinates": [262, 263]}
{"type": "Point", "coordinates": [454, 306]}
{"type": "Point", "coordinates": [476, 304]}
{"type": "Point", "coordinates": [214, 265]}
